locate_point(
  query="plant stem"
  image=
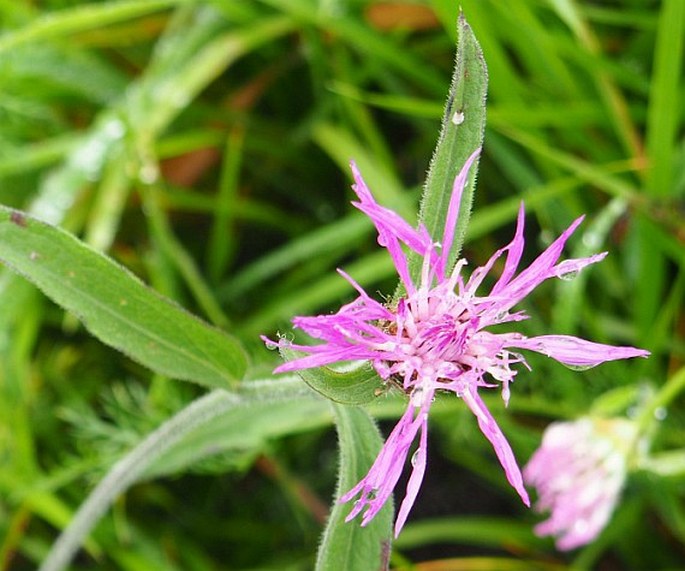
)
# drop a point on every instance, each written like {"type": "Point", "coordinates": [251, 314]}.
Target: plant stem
{"type": "Point", "coordinates": [133, 466]}
{"type": "Point", "coordinates": [671, 389]}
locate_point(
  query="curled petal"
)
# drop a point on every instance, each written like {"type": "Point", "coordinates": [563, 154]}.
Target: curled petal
{"type": "Point", "coordinates": [576, 352]}
{"type": "Point", "coordinates": [392, 228]}
{"type": "Point", "coordinates": [541, 269]}
{"type": "Point", "coordinates": [453, 212]}
{"type": "Point", "coordinates": [328, 356]}
{"type": "Point", "coordinates": [573, 266]}
{"type": "Point", "coordinates": [514, 253]}
{"type": "Point", "coordinates": [377, 486]}
{"type": "Point", "coordinates": [369, 303]}
{"type": "Point", "coordinates": [493, 433]}
{"type": "Point", "coordinates": [418, 470]}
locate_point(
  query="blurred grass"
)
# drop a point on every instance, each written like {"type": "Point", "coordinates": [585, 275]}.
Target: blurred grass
{"type": "Point", "coordinates": [205, 146]}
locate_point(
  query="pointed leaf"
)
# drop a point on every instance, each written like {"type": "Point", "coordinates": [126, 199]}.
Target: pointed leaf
{"type": "Point", "coordinates": [463, 126]}
{"type": "Point", "coordinates": [116, 307]}
{"type": "Point", "coordinates": [348, 545]}
{"type": "Point", "coordinates": [357, 386]}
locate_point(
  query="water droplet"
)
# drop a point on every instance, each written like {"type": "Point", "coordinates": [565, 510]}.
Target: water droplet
{"type": "Point", "coordinates": [89, 158]}
{"type": "Point", "coordinates": [458, 118]}
{"type": "Point", "coordinates": [568, 276]}
{"type": "Point", "coordinates": [660, 413]}
{"type": "Point", "coordinates": [416, 457]}
{"type": "Point", "coordinates": [578, 367]}
{"type": "Point", "coordinates": [114, 129]}
{"type": "Point", "coordinates": [417, 397]}
{"type": "Point", "coordinates": [148, 173]}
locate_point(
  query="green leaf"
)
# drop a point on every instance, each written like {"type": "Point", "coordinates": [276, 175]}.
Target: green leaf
{"type": "Point", "coordinates": [360, 385]}
{"type": "Point", "coordinates": [116, 307]}
{"type": "Point", "coordinates": [463, 126]}
{"type": "Point", "coordinates": [348, 545]}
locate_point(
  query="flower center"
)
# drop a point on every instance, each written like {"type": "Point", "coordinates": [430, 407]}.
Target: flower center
{"type": "Point", "coordinates": [432, 331]}
{"type": "Point", "coordinates": [442, 326]}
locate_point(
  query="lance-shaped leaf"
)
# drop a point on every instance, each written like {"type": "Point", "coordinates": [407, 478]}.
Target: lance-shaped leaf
{"type": "Point", "coordinates": [117, 307]}
{"type": "Point", "coordinates": [348, 545]}
{"type": "Point", "coordinates": [463, 126]}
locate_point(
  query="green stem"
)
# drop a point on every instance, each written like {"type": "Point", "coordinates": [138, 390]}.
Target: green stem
{"type": "Point", "coordinates": [661, 399]}
{"type": "Point", "coordinates": [182, 260]}
{"type": "Point", "coordinates": [133, 466]}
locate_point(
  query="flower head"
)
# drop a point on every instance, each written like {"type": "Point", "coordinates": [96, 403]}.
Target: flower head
{"type": "Point", "coordinates": [579, 471]}
{"type": "Point", "coordinates": [436, 338]}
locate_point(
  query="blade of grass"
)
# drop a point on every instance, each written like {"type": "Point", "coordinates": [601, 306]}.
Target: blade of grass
{"type": "Point", "coordinates": [73, 20]}
{"type": "Point", "coordinates": [664, 118]}
{"type": "Point", "coordinates": [180, 258]}
{"type": "Point", "coordinates": [221, 243]}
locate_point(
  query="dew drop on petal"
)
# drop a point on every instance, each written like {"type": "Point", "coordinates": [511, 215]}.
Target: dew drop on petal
{"type": "Point", "coordinates": [416, 397]}
{"type": "Point", "coordinates": [568, 276]}
{"type": "Point", "coordinates": [506, 393]}
{"type": "Point", "coordinates": [415, 457]}
{"type": "Point", "coordinates": [579, 367]}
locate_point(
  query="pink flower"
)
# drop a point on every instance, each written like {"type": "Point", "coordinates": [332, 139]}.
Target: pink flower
{"type": "Point", "coordinates": [436, 338]}
{"type": "Point", "coordinates": [579, 471]}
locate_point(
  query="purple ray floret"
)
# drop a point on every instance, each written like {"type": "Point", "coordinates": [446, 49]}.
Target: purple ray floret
{"type": "Point", "coordinates": [436, 338]}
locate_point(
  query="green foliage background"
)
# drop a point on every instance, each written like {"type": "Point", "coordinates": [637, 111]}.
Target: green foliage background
{"type": "Point", "coordinates": [204, 146]}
